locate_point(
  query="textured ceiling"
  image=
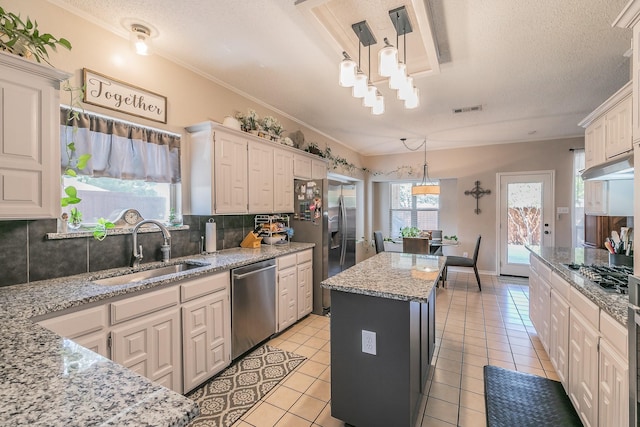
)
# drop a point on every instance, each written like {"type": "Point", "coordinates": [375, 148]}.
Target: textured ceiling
{"type": "Point", "coordinates": [536, 67]}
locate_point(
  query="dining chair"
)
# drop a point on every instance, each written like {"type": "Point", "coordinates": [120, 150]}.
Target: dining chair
{"type": "Point", "coordinates": [435, 246]}
{"type": "Point", "coordinates": [379, 241]}
{"type": "Point", "coordinates": [460, 261]}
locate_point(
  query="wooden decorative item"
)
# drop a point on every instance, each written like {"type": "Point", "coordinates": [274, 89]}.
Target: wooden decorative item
{"type": "Point", "coordinates": [251, 240]}
{"type": "Point", "coordinates": [477, 192]}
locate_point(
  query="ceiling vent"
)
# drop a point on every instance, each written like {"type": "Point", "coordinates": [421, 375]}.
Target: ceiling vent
{"type": "Point", "coordinates": [467, 109]}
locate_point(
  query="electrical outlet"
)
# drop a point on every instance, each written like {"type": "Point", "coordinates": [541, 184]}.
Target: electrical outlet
{"type": "Point", "coordinates": [465, 254]}
{"type": "Point", "coordinates": [369, 342]}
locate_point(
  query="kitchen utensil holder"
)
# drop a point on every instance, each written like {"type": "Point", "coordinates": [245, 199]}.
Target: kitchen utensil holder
{"type": "Point", "coordinates": [620, 259]}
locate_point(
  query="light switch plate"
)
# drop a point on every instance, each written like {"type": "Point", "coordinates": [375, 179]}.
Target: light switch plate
{"type": "Point", "coordinates": [369, 342]}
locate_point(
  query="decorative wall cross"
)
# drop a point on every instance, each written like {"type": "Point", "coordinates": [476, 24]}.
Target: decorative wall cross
{"type": "Point", "coordinates": [477, 192]}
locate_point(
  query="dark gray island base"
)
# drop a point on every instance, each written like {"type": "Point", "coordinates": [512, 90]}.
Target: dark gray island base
{"type": "Point", "coordinates": [393, 296]}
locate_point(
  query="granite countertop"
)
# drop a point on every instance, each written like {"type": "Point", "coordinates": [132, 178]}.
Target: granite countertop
{"type": "Point", "coordinates": [612, 303]}
{"type": "Point", "coordinates": [393, 275]}
{"type": "Point", "coordinates": [49, 380]}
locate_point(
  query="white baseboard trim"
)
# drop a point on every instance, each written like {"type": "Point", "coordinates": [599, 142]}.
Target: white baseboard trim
{"type": "Point", "coordinates": [470, 270]}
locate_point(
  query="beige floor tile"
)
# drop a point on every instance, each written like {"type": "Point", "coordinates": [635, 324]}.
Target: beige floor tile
{"type": "Point", "coordinates": [311, 368]}
{"type": "Point", "coordinates": [446, 353]}
{"type": "Point", "coordinates": [264, 415]}
{"type": "Point", "coordinates": [299, 382]}
{"type": "Point", "coordinates": [323, 334]}
{"type": "Point", "coordinates": [528, 361]}
{"type": "Point", "coordinates": [322, 357]}
{"type": "Point", "coordinates": [308, 407]}
{"type": "Point", "coordinates": [520, 342]}
{"type": "Point", "coordinates": [309, 330]}
{"type": "Point", "coordinates": [473, 371]}
{"type": "Point", "coordinates": [472, 384]}
{"type": "Point", "coordinates": [524, 350]}
{"type": "Point", "coordinates": [316, 342]}
{"type": "Point", "coordinates": [552, 375]}
{"type": "Point", "coordinates": [471, 418]}
{"type": "Point", "coordinates": [452, 345]}
{"type": "Point", "coordinates": [298, 338]}
{"type": "Point", "coordinates": [474, 349]}
{"type": "Point", "coordinates": [326, 375]}
{"type": "Point", "coordinates": [473, 359]}
{"type": "Point", "coordinates": [445, 392]}
{"type": "Point", "coordinates": [502, 364]}
{"type": "Point", "coordinates": [472, 400]}
{"type": "Point", "coordinates": [507, 356]}
{"type": "Point", "coordinates": [433, 422]}
{"type": "Point", "coordinates": [449, 365]}
{"type": "Point", "coordinates": [288, 346]}
{"type": "Point", "coordinates": [326, 420]}
{"type": "Point", "coordinates": [446, 377]}
{"type": "Point", "coordinates": [290, 420]}
{"type": "Point", "coordinates": [306, 351]}
{"type": "Point", "coordinates": [530, 370]}
{"type": "Point", "coordinates": [442, 410]}
{"type": "Point", "coordinates": [321, 390]}
{"type": "Point", "coordinates": [283, 397]}
{"type": "Point", "coordinates": [326, 347]}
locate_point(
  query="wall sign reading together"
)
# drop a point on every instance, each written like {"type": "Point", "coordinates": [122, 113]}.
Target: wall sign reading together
{"type": "Point", "coordinates": [115, 95]}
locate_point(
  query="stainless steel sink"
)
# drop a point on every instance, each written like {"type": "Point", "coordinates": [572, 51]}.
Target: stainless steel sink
{"type": "Point", "coordinates": [147, 274]}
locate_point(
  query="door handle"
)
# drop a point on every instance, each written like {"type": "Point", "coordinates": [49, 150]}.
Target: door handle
{"type": "Point", "coordinates": [546, 232]}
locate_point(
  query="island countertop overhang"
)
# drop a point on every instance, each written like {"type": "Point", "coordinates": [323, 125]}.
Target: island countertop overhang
{"type": "Point", "coordinates": [391, 275]}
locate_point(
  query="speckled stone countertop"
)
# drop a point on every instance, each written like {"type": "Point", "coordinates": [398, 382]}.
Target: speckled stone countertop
{"type": "Point", "coordinates": [400, 276]}
{"type": "Point", "coordinates": [612, 303]}
{"type": "Point", "coordinates": [51, 381]}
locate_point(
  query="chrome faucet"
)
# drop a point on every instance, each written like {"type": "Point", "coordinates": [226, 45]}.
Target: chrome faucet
{"type": "Point", "coordinates": [165, 248]}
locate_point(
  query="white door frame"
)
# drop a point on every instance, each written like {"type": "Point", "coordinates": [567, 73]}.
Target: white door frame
{"type": "Point", "coordinates": [552, 219]}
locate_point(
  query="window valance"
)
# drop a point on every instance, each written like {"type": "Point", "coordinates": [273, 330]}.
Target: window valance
{"type": "Point", "coordinates": [120, 149]}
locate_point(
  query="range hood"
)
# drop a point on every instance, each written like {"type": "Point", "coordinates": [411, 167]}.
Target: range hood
{"type": "Point", "coordinates": [618, 168]}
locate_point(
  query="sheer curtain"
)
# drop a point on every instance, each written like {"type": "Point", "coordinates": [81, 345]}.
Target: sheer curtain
{"type": "Point", "coordinates": [119, 149]}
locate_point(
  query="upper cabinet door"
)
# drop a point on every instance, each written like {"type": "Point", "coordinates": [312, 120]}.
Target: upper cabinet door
{"type": "Point", "coordinates": [594, 141]}
{"type": "Point", "coordinates": [301, 166]}
{"type": "Point", "coordinates": [282, 181]}
{"type": "Point", "coordinates": [261, 187]}
{"type": "Point", "coordinates": [230, 173]}
{"type": "Point", "coordinates": [318, 169]}
{"type": "Point", "coordinates": [618, 125]}
{"type": "Point", "coordinates": [30, 139]}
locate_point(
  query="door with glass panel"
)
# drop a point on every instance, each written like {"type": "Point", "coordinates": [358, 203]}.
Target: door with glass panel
{"type": "Point", "coordinates": [525, 218]}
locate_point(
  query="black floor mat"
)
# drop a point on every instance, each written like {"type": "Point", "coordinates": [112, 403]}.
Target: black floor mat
{"type": "Point", "coordinates": [523, 400]}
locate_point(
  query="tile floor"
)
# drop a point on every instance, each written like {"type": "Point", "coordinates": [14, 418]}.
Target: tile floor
{"type": "Point", "coordinates": [473, 329]}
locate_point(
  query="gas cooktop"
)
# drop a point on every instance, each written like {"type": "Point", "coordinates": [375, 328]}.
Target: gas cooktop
{"type": "Point", "coordinates": [610, 277]}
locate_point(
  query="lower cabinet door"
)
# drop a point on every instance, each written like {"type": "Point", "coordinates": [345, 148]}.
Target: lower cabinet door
{"type": "Point", "coordinates": [559, 337]}
{"type": "Point", "coordinates": [206, 338]}
{"type": "Point", "coordinates": [287, 298]}
{"type": "Point", "coordinates": [613, 405]}
{"type": "Point", "coordinates": [583, 368]}
{"type": "Point", "coordinates": [96, 342]}
{"type": "Point", "coordinates": [305, 289]}
{"type": "Point", "coordinates": [150, 346]}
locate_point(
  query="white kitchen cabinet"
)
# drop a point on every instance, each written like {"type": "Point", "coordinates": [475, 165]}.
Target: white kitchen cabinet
{"type": "Point", "coordinates": [206, 327]}
{"type": "Point", "coordinates": [618, 127]}
{"type": "Point", "coordinates": [287, 291]}
{"type": "Point", "coordinates": [151, 346]}
{"type": "Point", "coordinates": [559, 337]}
{"type": "Point", "coordinates": [583, 368]}
{"type": "Point", "coordinates": [534, 280]}
{"type": "Point", "coordinates": [88, 327]}
{"type": "Point", "coordinates": [30, 139]}
{"type": "Point", "coordinates": [613, 406]}
{"type": "Point", "coordinates": [544, 306]}
{"type": "Point", "coordinates": [318, 169]}
{"type": "Point", "coordinates": [302, 166]}
{"type": "Point", "coordinates": [206, 324]}
{"type": "Point", "coordinates": [305, 282]}
{"type": "Point", "coordinates": [218, 170]}
{"type": "Point", "coordinates": [261, 177]}
{"type": "Point", "coordinates": [594, 143]}
{"type": "Point", "coordinates": [282, 181]}
{"type": "Point", "coordinates": [611, 198]}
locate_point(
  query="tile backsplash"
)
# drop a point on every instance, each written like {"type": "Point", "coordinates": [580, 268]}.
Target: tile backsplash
{"type": "Point", "coordinates": [27, 256]}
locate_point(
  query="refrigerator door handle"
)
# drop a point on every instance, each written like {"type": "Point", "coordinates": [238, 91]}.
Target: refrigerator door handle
{"type": "Point", "coordinates": [343, 230]}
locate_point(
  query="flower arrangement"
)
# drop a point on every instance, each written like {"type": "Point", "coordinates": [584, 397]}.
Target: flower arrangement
{"type": "Point", "coordinates": [249, 121]}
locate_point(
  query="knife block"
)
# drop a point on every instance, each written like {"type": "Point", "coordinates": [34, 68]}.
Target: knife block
{"type": "Point", "coordinates": [620, 259]}
{"type": "Point", "coordinates": [251, 241]}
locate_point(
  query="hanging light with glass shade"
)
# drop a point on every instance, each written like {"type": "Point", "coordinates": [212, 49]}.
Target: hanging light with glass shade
{"type": "Point", "coordinates": [140, 38]}
{"type": "Point", "coordinates": [426, 186]}
{"type": "Point", "coordinates": [347, 71]}
{"type": "Point", "coordinates": [387, 59]}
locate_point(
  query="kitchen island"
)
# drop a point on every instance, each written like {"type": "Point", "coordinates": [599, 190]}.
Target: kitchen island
{"type": "Point", "coordinates": [382, 337]}
{"type": "Point", "coordinates": [49, 380]}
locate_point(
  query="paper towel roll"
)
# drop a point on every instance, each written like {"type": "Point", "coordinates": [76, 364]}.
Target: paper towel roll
{"type": "Point", "coordinates": [210, 236]}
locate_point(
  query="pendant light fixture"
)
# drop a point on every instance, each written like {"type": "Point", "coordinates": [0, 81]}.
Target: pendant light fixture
{"type": "Point", "coordinates": [387, 59]}
{"type": "Point", "coordinates": [140, 38]}
{"type": "Point", "coordinates": [347, 71]}
{"type": "Point", "coordinates": [426, 186]}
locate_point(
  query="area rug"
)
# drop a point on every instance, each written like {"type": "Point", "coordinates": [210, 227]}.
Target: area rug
{"type": "Point", "coordinates": [524, 400]}
{"type": "Point", "coordinates": [224, 399]}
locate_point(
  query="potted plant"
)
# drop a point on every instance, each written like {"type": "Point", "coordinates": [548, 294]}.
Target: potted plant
{"type": "Point", "coordinates": [408, 232]}
{"type": "Point", "coordinates": [75, 218]}
{"type": "Point", "coordinates": [23, 38]}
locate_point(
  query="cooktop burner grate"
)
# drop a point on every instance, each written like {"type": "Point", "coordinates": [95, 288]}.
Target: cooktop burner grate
{"type": "Point", "coordinates": [610, 277]}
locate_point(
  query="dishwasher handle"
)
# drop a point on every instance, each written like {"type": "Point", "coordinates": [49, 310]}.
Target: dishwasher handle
{"type": "Point", "coordinates": [241, 276]}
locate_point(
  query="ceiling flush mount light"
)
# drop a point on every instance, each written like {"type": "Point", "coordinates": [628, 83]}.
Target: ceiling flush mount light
{"type": "Point", "coordinates": [141, 39]}
{"type": "Point", "coordinates": [426, 186]}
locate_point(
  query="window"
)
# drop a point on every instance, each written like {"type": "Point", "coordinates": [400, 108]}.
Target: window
{"type": "Point", "coordinates": [130, 167]}
{"type": "Point", "coordinates": [412, 211]}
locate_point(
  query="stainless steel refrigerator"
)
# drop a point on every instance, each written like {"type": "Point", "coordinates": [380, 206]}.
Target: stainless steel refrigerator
{"type": "Point", "coordinates": [309, 223]}
{"type": "Point", "coordinates": [342, 226]}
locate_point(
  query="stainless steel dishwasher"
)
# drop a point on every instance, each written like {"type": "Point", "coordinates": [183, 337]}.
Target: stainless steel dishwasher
{"type": "Point", "coordinates": [253, 305]}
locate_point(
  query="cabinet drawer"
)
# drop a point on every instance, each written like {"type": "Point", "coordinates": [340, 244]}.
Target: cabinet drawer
{"type": "Point", "coordinates": [305, 256]}
{"type": "Point", "coordinates": [589, 310]}
{"type": "Point", "coordinates": [614, 333]}
{"type": "Point", "coordinates": [544, 271]}
{"type": "Point", "coordinates": [204, 285]}
{"type": "Point", "coordinates": [560, 285]}
{"type": "Point", "coordinates": [133, 307]}
{"type": "Point", "coordinates": [80, 323]}
{"type": "Point", "coordinates": [287, 261]}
